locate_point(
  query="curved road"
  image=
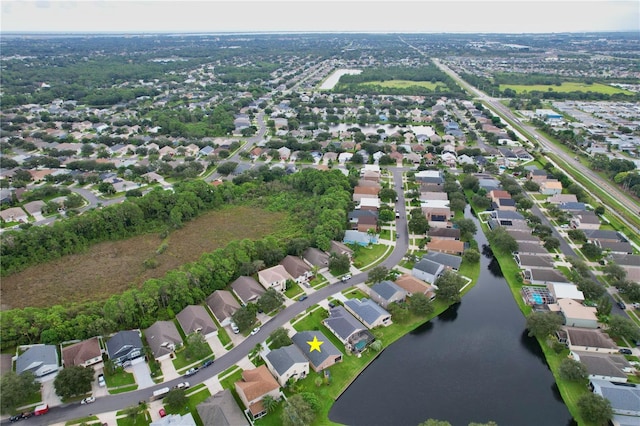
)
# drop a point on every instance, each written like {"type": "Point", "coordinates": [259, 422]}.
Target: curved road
{"type": "Point", "coordinates": [121, 401]}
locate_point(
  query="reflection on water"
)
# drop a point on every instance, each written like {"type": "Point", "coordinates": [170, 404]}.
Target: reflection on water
{"type": "Point", "coordinates": [451, 313]}
{"type": "Point", "coordinates": [423, 329]}
{"type": "Point", "coordinates": [486, 251]}
{"type": "Point", "coordinates": [494, 268]}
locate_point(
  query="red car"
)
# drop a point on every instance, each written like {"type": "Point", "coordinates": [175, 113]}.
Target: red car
{"type": "Point", "coordinates": [162, 412]}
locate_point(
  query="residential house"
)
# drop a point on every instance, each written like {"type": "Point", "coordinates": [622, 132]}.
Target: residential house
{"type": "Point", "coordinates": [196, 319]}
{"type": "Point", "coordinates": [585, 339]}
{"type": "Point", "coordinates": [505, 204]}
{"type": "Point", "coordinates": [446, 246]}
{"type": "Point", "coordinates": [604, 366]}
{"type": "Point", "coordinates": [221, 409]}
{"type": "Point", "coordinates": [14, 214]}
{"type": "Point", "coordinates": [566, 291]}
{"type": "Point", "coordinates": [223, 305]}
{"type": "Point", "coordinates": [247, 289]}
{"type": "Point", "coordinates": [585, 220]}
{"type": "Point", "coordinates": [34, 207]}
{"type": "Point", "coordinates": [532, 249]}
{"type": "Point", "coordinates": [386, 292]}
{"type": "Point", "coordinates": [316, 258]}
{"type": "Point", "coordinates": [616, 248]}
{"type": "Point", "coordinates": [339, 248]}
{"type": "Point", "coordinates": [596, 236]}
{"type": "Point", "coordinates": [427, 270]}
{"type": "Point", "coordinates": [175, 420]}
{"type": "Point", "coordinates": [297, 268]}
{"type": "Point", "coordinates": [575, 314]}
{"type": "Point", "coordinates": [537, 175]}
{"type": "Point", "coordinates": [368, 312]}
{"type": "Point", "coordinates": [125, 346]}
{"type": "Point", "coordinates": [624, 400]}
{"type": "Point", "coordinates": [573, 207]}
{"type": "Point", "coordinates": [163, 339]}
{"type": "Point", "coordinates": [371, 191]}
{"type": "Point", "coordinates": [413, 285]}
{"type": "Point", "coordinates": [434, 177]}
{"type": "Point", "coordinates": [444, 233]}
{"type": "Point", "coordinates": [523, 236]}
{"type": "Point", "coordinates": [562, 198]}
{"type": "Point", "coordinates": [508, 219]}
{"type": "Point", "coordinates": [630, 263]}
{"type": "Point", "coordinates": [538, 276]}
{"type": "Point", "coordinates": [550, 187]}
{"type": "Point", "coordinates": [351, 332]}
{"type": "Point", "coordinates": [363, 220]}
{"type": "Point", "coordinates": [254, 386]}
{"type": "Point", "coordinates": [526, 261]}
{"type": "Point", "coordinates": [275, 277]}
{"type": "Point", "coordinates": [449, 261]}
{"type": "Point", "coordinates": [85, 353]}
{"type": "Point", "coordinates": [496, 194]}
{"type": "Point", "coordinates": [40, 360]}
{"type": "Point", "coordinates": [286, 364]}
{"type": "Point", "coordinates": [368, 203]}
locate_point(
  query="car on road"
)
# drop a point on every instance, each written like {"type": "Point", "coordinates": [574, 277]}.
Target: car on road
{"type": "Point", "coordinates": [625, 351]}
{"type": "Point", "coordinates": [183, 385]}
{"type": "Point", "coordinates": [255, 330]}
{"type": "Point", "coordinates": [191, 372]}
{"type": "Point", "coordinates": [88, 400]}
{"type": "Point", "coordinates": [207, 363]}
{"type": "Point", "coordinates": [345, 277]}
{"type": "Point", "coordinates": [303, 297]}
{"type": "Point", "coordinates": [17, 417]}
{"type": "Point", "coordinates": [101, 381]}
{"type": "Point", "coordinates": [621, 305]}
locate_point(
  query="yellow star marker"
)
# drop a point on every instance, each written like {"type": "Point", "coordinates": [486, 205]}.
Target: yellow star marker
{"type": "Point", "coordinates": [315, 344]}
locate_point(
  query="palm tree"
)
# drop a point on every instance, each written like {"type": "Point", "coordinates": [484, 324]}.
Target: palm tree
{"type": "Point", "coordinates": [269, 403]}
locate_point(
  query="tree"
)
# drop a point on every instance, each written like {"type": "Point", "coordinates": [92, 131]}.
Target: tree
{"type": "Point", "coordinates": [620, 326]}
{"type": "Point", "coordinates": [471, 256]}
{"type": "Point", "coordinates": [16, 390]}
{"type": "Point", "coordinates": [386, 215]}
{"type": "Point", "coordinates": [551, 243]}
{"type": "Point", "coordinates": [106, 188]}
{"type": "Point", "coordinates": [279, 338]}
{"type": "Point", "coordinates": [227, 168]}
{"type": "Point", "coordinates": [591, 289]}
{"type": "Point", "coordinates": [573, 370]}
{"type": "Point", "coordinates": [72, 381]}
{"type": "Point", "coordinates": [531, 186]}
{"type": "Point", "coordinates": [500, 239]}
{"type": "Point", "coordinates": [244, 318]}
{"type": "Point", "coordinates": [197, 348]}
{"type": "Point", "coordinates": [449, 285]}
{"type": "Point", "coordinates": [420, 305]}
{"type": "Point", "coordinates": [388, 195]}
{"type": "Point", "coordinates": [339, 263]}
{"type": "Point", "coordinates": [594, 408]}
{"type": "Point", "coordinates": [378, 274]}
{"type": "Point", "coordinates": [176, 399]}
{"type": "Point", "coordinates": [467, 228]}
{"type": "Point", "coordinates": [376, 345]}
{"type": "Point", "coordinates": [579, 266]}
{"type": "Point", "coordinates": [433, 422]}
{"type": "Point", "coordinates": [297, 412]}
{"type": "Point", "coordinates": [470, 182]}
{"type": "Point", "coordinates": [269, 403]}
{"type": "Point", "coordinates": [614, 272]}
{"type": "Point", "coordinates": [577, 235]}
{"type": "Point", "coordinates": [543, 324]}
{"type": "Point", "coordinates": [591, 251]}
{"type": "Point", "coordinates": [270, 300]}
{"type": "Point", "coordinates": [418, 223]}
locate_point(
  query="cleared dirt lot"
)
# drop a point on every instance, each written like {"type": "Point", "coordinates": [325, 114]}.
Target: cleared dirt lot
{"type": "Point", "coordinates": [112, 267]}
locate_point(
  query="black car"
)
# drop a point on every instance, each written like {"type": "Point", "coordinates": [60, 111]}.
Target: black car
{"type": "Point", "coordinates": [625, 351]}
{"type": "Point", "coordinates": [15, 418]}
{"type": "Point", "coordinates": [621, 305]}
{"type": "Point", "coordinates": [207, 363]}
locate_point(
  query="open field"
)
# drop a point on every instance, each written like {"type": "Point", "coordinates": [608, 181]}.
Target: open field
{"type": "Point", "coordinates": [566, 87]}
{"type": "Point", "coordinates": [113, 267]}
{"type": "Point", "coordinates": [403, 84]}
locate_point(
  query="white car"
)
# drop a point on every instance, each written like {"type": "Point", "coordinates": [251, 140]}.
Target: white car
{"type": "Point", "coordinates": [101, 381]}
{"type": "Point", "coordinates": [183, 385]}
{"type": "Point", "coordinates": [255, 331]}
{"type": "Point", "coordinates": [346, 277]}
{"type": "Point", "coordinates": [88, 400]}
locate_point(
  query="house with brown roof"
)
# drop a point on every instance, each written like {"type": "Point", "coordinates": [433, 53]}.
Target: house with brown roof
{"type": "Point", "coordinates": [83, 354]}
{"type": "Point", "coordinates": [254, 386]}
{"type": "Point", "coordinates": [223, 305]}
{"type": "Point", "coordinates": [413, 285]}
{"type": "Point", "coordinates": [496, 194]}
{"type": "Point", "coordinates": [373, 190]}
{"type": "Point", "coordinates": [369, 184]}
{"type": "Point", "coordinates": [340, 248]}
{"type": "Point", "coordinates": [14, 214]}
{"type": "Point", "coordinates": [247, 289]}
{"type": "Point", "coordinates": [446, 246]}
{"type": "Point", "coordinates": [297, 268]}
{"type": "Point", "coordinates": [444, 233]}
{"type": "Point", "coordinates": [275, 277]}
{"type": "Point", "coordinates": [163, 339]}
{"type": "Point", "coordinates": [316, 258]}
{"type": "Point", "coordinates": [196, 319]}
{"type": "Point", "coordinates": [584, 339]}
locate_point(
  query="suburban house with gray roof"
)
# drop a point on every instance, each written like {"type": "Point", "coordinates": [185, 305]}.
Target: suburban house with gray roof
{"type": "Point", "coordinates": [368, 312]}
{"type": "Point", "coordinates": [84, 353]}
{"type": "Point", "coordinates": [603, 366]}
{"type": "Point", "coordinates": [287, 363]}
{"type": "Point", "coordinates": [427, 270]}
{"type": "Point", "coordinates": [624, 400]}
{"type": "Point", "coordinates": [449, 261]}
{"type": "Point", "coordinates": [247, 289]}
{"type": "Point", "coordinates": [163, 339]}
{"type": "Point", "coordinates": [340, 248]}
{"type": "Point", "coordinates": [275, 277]}
{"type": "Point", "coordinates": [328, 354]}
{"type": "Point", "coordinates": [221, 409]}
{"type": "Point", "coordinates": [526, 261]}
{"type": "Point", "coordinates": [125, 346]}
{"type": "Point", "coordinates": [316, 257]}
{"type": "Point", "coordinates": [223, 305]}
{"type": "Point", "coordinates": [196, 319]}
{"type": "Point", "coordinates": [40, 360]}
{"type": "Point", "coordinates": [537, 276]}
{"type": "Point", "coordinates": [386, 292]}
{"type": "Point", "coordinates": [297, 268]}
{"type": "Point", "coordinates": [351, 332]}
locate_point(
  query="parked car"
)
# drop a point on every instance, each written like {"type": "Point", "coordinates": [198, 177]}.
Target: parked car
{"type": "Point", "coordinates": [88, 400]}
{"type": "Point", "coordinates": [234, 328]}
{"type": "Point", "coordinates": [162, 412]}
{"type": "Point", "coordinates": [101, 381]}
{"type": "Point", "coordinates": [255, 331]}
{"type": "Point", "coordinates": [332, 305]}
{"type": "Point", "coordinates": [183, 385]}
{"type": "Point", "coordinates": [621, 305]}
{"type": "Point", "coordinates": [345, 277]}
{"type": "Point", "coordinates": [207, 363]}
{"type": "Point", "coordinates": [303, 297]}
{"type": "Point", "coordinates": [625, 351]}
{"type": "Point", "coordinates": [191, 372]}
{"type": "Point", "coordinates": [16, 418]}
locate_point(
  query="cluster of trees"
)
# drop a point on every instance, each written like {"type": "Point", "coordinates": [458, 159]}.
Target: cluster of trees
{"type": "Point", "coordinates": [318, 200]}
{"type": "Point", "coordinates": [197, 123]}
{"type": "Point", "coordinates": [621, 171]}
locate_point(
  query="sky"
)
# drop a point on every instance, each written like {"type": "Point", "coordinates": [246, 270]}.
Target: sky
{"type": "Point", "coordinates": [423, 16]}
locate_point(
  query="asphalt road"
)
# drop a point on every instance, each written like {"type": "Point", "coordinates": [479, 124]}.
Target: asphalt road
{"type": "Point", "coordinates": [121, 401]}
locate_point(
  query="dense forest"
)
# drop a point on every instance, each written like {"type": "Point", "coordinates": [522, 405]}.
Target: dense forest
{"type": "Point", "coordinates": [319, 200]}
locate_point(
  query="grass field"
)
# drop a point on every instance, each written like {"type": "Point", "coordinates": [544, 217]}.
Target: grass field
{"type": "Point", "coordinates": [113, 267]}
{"type": "Point", "coordinates": [403, 84]}
{"type": "Point", "coordinates": [566, 87]}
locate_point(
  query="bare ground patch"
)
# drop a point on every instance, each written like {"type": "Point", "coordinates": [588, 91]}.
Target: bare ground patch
{"type": "Point", "coordinates": [113, 267]}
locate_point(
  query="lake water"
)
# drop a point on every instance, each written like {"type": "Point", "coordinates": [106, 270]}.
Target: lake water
{"type": "Point", "coordinates": [333, 79]}
{"type": "Point", "coordinates": [473, 363]}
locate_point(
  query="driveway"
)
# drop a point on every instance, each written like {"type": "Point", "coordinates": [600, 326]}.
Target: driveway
{"type": "Point", "coordinates": [49, 395]}
{"type": "Point", "coordinates": [141, 372]}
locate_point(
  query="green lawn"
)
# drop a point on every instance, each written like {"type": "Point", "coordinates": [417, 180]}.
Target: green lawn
{"type": "Point", "coordinates": [364, 256]}
{"type": "Point", "coordinates": [385, 234]}
{"type": "Point", "coordinates": [123, 389]}
{"type": "Point", "coordinates": [294, 291]}
{"type": "Point", "coordinates": [194, 399]}
{"type": "Point", "coordinates": [318, 282]}
{"type": "Point", "coordinates": [119, 378]}
{"type": "Point", "coordinates": [91, 420]}
{"type": "Point", "coordinates": [566, 87]}
{"type": "Point", "coordinates": [181, 362]}
{"type": "Point", "coordinates": [141, 419]}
